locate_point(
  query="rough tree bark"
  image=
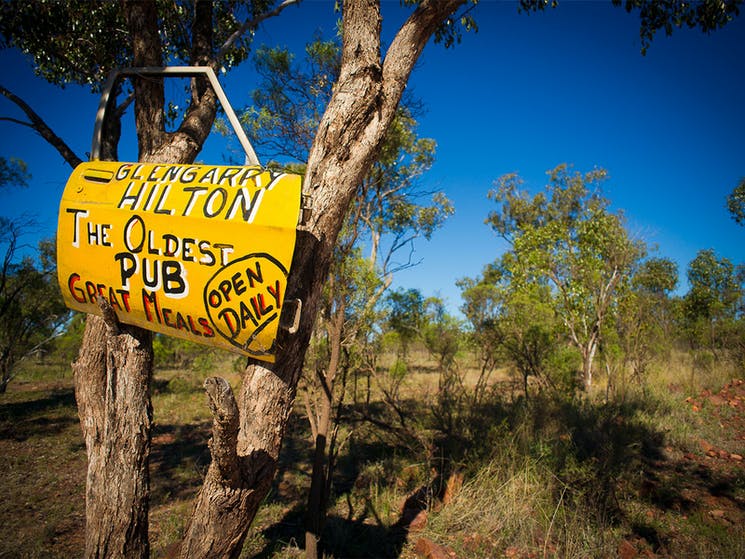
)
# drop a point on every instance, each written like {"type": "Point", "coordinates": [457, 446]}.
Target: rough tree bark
{"type": "Point", "coordinates": [113, 371]}
{"type": "Point", "coordinates": [361, 108]}
{"type": "Point", "coordinates": [114, 367]}
{"type": "Point", "coordinates": [112, 382]}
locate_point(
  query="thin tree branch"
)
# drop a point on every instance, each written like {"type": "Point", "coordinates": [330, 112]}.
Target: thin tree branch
{"type": "Point", "coordinates": [250, 24]}
{"type": "Point", "coordinates": [225, 425]}
{"type": "Point", "coordinates": [16, 121]}
{"type": "Point", "coordinates": [41, 127]}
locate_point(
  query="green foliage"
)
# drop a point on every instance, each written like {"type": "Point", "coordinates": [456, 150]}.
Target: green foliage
{"type": "Point", "coordinates": [441, 333]}
{"type": "Point", "coordinates": [712, 308]}
{"type": "Point", "coordinates": [654, 15]}
{"type": "Point", "coordinates": [643, 325]}
{"type": "Point", "coordinates": [567, 247]}
{"type": "Point", "coordinates": [288, 105]}
{"type": "Point", "coordinates": [65, 347]}
{"type": "Point", "coordinates": [657, 277]}
{"type": "Point", "coordinates": [715, 291]}
{"type": "Point", "coordinates": [482, 308]}
{"type": "Point", "coordinates": [71, 42]}
{"type": "Point", "coordinates": [736, 203]}
{"type": "Point", "coordinates": [707, 15]}
{"type": "Point", "coordinates": [405, 315]}
{"type": "Point", "coordinates": [515, 320]}
{"type": "Point", "coordinates": [31, 308]}
{"type": "Point", "coordinates": [13, 172]}
{"type": "Point", "coordinates": [450, 31]}
{"type": "Point", "coordinates": [82, 41]}
{"type": "Point", "coordinates": [177, 353]}
{"type": "Point", "coordinates": [286, 111]}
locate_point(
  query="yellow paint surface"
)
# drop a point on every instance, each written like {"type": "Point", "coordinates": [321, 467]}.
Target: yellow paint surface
{"type": "Point", "coordinates": [194, 251]}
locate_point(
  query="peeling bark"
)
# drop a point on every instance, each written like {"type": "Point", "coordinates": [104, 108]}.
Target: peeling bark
{"type": "Point", "coordinates": [112, 381]}
{"type": "Point", "coordinates": [113, 371]}
{"type": "Point", "coordinates": [350, 133]}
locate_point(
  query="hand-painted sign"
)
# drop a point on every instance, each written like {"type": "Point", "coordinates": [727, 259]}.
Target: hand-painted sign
{"type": "Point", "coordinates": [194, 251]}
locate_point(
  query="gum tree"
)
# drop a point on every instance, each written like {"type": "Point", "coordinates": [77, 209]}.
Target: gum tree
{"type": "Point", "coordinates": [713, 305]}
{"type": "Point", "coordinates": [516, 317]}
{"type": "Point", "coordinates": [566, 237]}
{"type": "Point", "coordinates": [31, 310]}
{"type": "Point", "coordinates": [113, 371]}
{"type": "Point", "coordinates": [80, 41]}
{"type": "Point", "coordinates": [387, 213]}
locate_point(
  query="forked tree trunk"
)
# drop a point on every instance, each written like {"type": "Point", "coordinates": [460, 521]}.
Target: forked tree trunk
{"type": "Point", "coordinates": [349, 135]}
{"type": "Point", "coordinates": [113, 372]}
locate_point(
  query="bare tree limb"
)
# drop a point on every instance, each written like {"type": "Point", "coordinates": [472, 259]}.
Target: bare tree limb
{"type": "Point", "coordinates": [41, 127]}
{"type": "Point", "coordinates": [250, 24]}
{"type": "Point", "coordinates": [224, 428]}
{"type": "Point", "coordinates": [16, 121]}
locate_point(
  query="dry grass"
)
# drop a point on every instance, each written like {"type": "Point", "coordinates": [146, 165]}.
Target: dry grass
{"type": "Point", "coordinates": [549, 477]}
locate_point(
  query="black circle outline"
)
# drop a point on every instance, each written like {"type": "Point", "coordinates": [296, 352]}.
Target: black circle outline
{"type": "Point", "coordinates": [274, 261]}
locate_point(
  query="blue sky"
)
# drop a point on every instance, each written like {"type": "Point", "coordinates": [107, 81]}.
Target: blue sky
{"type": "Point", "coordinates": [525, 93]}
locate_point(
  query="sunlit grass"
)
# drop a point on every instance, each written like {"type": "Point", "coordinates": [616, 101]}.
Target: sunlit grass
{"type": "Point", "coordinates": [548, 477]}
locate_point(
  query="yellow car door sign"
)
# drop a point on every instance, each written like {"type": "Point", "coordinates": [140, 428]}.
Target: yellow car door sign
{"type": "Point", "coordinates": [200, 252]}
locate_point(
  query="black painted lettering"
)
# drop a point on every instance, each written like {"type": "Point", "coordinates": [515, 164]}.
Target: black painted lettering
{"type": "Point", "coordinates": [159, 209]}
{"type": "Point", "coordinates": [230, 317]}
{"type": "Point", "coordinates": [196, 192]}
{"type": "Point", "coordinates": [123, 171]}
{"type": "Point", "coordinates": [209, 204]}
{"type": "Point", "coordinates": [187, 247]}
{"type": "Point", "coordinates": [225, 288]}
{"type": "Point", "coordinates": [246, 315]}
{"type": "Point", "coordinates": [208, 257]}
{"type": "Point", "coordinates": [134, 234]}
{"type": "Point", "coordinates": [225, 250]}
{"type": "Point", "coordinates": [77, 214]}
{"type": "Point", "coordinates": [127, 267]}
{"type": "Point", "coordinates": [151, 248]}
{"type": "Point", "coordinates": [238, 286]}
{"type": "Point", "coordinates": [246, 204]}
{"type": "Point", "coordinates": [254, 275]}
{"type": "Point", "coordinates": [171, 245]}
{"type": "Point", "coordinates": [173, 279]}
{"type": "Point", "coordinates": [150, 273]}
{"type": "Point", "coordinates": [274, 292]}
{"type": "Point", "coordinates": [188, 175]}
{"type": "Point", "coordinates": [154, 173]}
{"type": "Point", "coordinates": [209, 176]}
{"type": "Point", "coordinates": [228, 175]}
{"type": "Point", "coordinates": [130, 197]}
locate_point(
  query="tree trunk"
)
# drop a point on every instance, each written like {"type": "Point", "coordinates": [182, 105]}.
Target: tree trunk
{"type": "Point", "coordinates": [245, 449]}
{"type": "Point", "coordinates": [321, 473]}
{"type": "Point", "coordinates": [112, 387]}
{"type": "Point", "coordinates": [349, 135]}
{"type": "Point", "coordinates": [588, 356]}
{"type": "Point", "coordinates": [113, 372]}
{"type": "Point", "coordinates": [315, 514]}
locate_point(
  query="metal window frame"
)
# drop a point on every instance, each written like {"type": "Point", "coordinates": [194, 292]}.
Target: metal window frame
{"type": "Point", "coordinates": [170, 71]}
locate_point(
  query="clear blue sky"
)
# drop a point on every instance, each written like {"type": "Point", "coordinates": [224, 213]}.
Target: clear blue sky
{"type": "Point", "coordinates": [525, 93]}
